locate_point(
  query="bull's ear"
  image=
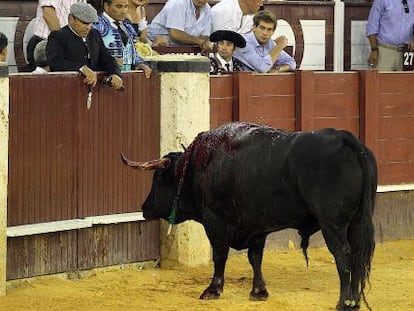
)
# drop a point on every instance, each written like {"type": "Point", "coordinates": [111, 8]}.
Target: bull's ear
{"type": "Point", "coordinates": [149, 165]}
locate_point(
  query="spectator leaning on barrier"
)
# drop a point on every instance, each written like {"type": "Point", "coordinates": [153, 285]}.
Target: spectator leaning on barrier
{"type": "Point", "coordinates": [235, 15]}
{"type": "Point", "coordinates": [137, 16]}
{"type": "Point", "coordinates": [223, 61]}
{"type": "Point", "coordinates": [118, 36]}
{"type": "Point", "coordinates": [183, 22]}
{"type": "Point", "coordinates": [261, 53]}
{"type": "Point", "coordinates": [79, 47]}
{"type": "Point", "coordinates": [40, 58]}
{"type": "Point", "coordinates": [389, 28]}
{"type": "Point", "coordinates": [3, 47]}
{"type": "Point", "coordinates": [50, 15]}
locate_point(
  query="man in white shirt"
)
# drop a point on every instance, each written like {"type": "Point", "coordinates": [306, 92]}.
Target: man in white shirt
{"type": "Point", "coordinates": [183, 22]}
{"type": "Point", "coordinates": [50, 15]}
{"type": "Point", "coordinates": [235, 15]}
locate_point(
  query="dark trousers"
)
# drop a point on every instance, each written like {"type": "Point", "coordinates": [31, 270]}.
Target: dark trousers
{"type": "Point", "coordinates": [30, 50]}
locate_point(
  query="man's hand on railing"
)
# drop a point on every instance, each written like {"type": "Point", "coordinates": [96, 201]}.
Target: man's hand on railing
{"type": "Point", "coordinates": [90, 77]}
{"type": "Point", "coordinates": [160, 41]}
{"type": "Point", "coordinates": [206, 47]}
{"type": "Point", "coordinates": [147, 69]}
{"type": "Point", "coordinates": [115, 82]}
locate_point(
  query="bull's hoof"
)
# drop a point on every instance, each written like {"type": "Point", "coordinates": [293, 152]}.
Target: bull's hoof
{"type": "Point", "coordinates": [210, 293]}
{"type": "Point", "coordinates": [348, 305]}
{"type": "Point", "coordinates": [259, 294]}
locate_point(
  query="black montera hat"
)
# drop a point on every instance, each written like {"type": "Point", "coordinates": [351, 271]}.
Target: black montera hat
{"type": "Point", "coordinates": [228, 35]}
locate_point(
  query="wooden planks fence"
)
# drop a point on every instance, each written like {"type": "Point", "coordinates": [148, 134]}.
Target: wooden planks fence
{"type": "Point", "coordinates": [64, 159]}
{"type": "Point", "coordinates": [64, 164]}
{"type": "Point", "coordinates": [375, 106]}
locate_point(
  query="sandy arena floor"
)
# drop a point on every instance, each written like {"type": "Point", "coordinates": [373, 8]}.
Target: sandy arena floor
{"type": "Point", "coordinates": [292, 286]}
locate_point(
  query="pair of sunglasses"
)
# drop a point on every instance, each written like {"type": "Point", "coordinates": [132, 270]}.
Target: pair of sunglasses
{"type": "Point", "coordinates": [405, 5]}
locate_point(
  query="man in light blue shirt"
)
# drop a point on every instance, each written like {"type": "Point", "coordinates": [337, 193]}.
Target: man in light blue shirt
{"type": "Point", "coordinates": [183, 22]}
{"type": "Point", "coordinates": [261, 53]}
{"type": "Point", "coordinates": [390, 27]}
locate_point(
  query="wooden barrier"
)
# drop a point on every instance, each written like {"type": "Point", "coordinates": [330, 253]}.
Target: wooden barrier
{"type": "Point", "coordinates": [329, 100]}
{"type": "Point", "coordinates": [65, 166]}
{"type": "Point", "coordinates": [64, 159]}
{"type": "Point", "coordinates": [222, 100]}
{"type": "Point", "coordinates": [267, 99]}
{"type": "Point", "coordinates": [63, 155]}
{"type": "Point", "coordinates": [389, 114]}
{"type": "Point", "coordinates": [373, 105]}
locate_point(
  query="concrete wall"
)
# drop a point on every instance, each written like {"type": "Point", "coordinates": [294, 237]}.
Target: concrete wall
{"type": "Point", "coordinates": [185, 111]}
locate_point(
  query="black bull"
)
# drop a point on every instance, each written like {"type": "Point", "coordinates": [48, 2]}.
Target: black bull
{"type": "Point", "coordinates": [244, 181]}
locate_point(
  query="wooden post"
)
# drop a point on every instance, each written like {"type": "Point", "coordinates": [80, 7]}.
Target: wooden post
{"type": "Point", "coordinates": [305, 102]}
{"type": "Point", "coordinates": [185, 111]}
{"type": "Point", "coordinates": [369, 111]}
{"type": "Point", "coordinates": [339, 14]}
{"type": "Point", "coordinates": [242, 96]}
{"type": "Point", "coordinates": [4, 151]}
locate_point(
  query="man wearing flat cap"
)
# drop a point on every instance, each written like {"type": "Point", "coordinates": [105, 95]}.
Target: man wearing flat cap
{"type": "Point", "coordinates": [222, 61]}
{"type": "Point", "coordinates": [79, 47]}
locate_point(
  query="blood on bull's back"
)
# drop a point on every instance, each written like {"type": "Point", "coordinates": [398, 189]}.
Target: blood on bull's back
{"type": "Point", "coordinates": [243, 181]}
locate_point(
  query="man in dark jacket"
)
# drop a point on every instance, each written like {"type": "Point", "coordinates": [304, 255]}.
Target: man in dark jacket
{"type": "Point", "coordinates": [223, 62]}
{"type": "Point", "coordinates": [79, 47]}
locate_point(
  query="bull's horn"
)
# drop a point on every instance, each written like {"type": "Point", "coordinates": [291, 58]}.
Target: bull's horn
{"type": "Point", "coordinates": [149, 165]}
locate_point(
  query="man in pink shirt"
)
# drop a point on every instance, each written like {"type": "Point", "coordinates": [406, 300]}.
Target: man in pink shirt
{"type": "Point", "coordinates": [50, 15]}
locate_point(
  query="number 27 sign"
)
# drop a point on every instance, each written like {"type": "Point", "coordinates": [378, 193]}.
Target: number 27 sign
{"type": "Point", "coordinates": [408, 60]}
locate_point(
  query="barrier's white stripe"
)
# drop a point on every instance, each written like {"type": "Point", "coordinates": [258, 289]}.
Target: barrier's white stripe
{"type": "Point", "coordinates": [115, 218]}
{"type": "Point", "coordinates": [72, 224]}
{"type": "Point", "coordinates": [391, 188]}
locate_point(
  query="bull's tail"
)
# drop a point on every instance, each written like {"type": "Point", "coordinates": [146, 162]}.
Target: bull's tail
{"type": "Point", "coordinates": [361, 230]}
{"type": "Point", "coordinates": [309, 227]}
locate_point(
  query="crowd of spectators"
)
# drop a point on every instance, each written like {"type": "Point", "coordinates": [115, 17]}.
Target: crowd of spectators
{"type": "Point", "coordinates": [71, 38]}
{"type": "Point", "coordinates": [109, 41]}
